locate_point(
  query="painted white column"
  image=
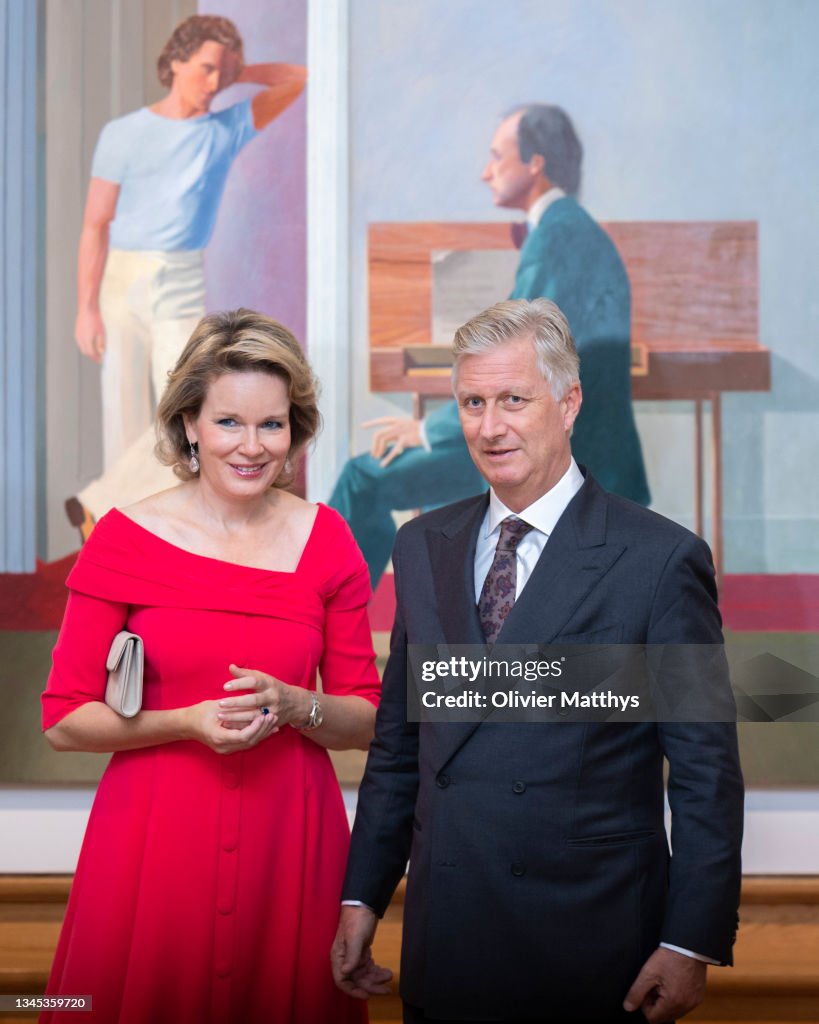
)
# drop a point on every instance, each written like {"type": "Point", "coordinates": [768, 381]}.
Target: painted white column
{"type": "Point", "coordinates": [328, 241]}
{"type": "Point", "coordinates": [19, 334]}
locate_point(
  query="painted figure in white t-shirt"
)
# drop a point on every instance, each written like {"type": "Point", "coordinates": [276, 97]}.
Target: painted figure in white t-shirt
{"type": "Point", "coordinates": [156, 182]}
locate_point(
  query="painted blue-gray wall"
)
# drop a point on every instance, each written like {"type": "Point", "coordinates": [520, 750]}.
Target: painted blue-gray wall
{"type": "Point", "coordinates": [688, 110]}
{"type": "Point", "coordinates": [18, 308]}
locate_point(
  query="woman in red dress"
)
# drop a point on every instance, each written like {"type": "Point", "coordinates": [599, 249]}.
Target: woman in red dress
{"type": "Point", "coordinates": [208, 884]}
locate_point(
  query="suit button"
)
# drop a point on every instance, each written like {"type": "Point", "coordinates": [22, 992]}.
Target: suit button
{"type": "Point", "coordinates": [442, 781]}
{"type": "Point", "coordinates": [563, 711]}
{"type": "Point", "coordinates": [519, 787]}
{"type": "Point", "coordinates": [518, 869]}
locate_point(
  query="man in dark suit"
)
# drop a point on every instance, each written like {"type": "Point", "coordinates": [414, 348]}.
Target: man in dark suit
{"type": "Point", "coordinates": [540, 883]}
{"type": "Point", "coordinates": [534, 166]}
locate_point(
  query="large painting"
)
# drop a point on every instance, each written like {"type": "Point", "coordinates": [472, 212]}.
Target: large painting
{"type": "Point", "coordinates": [673, 146]}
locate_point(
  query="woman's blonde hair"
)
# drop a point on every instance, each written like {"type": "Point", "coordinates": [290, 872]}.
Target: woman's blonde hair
{"type": "Point", "coordinates": [237, 341]}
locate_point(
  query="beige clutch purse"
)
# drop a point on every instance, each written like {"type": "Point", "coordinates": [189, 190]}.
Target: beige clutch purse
{"type": "Point", "coordinates": [125, 661]}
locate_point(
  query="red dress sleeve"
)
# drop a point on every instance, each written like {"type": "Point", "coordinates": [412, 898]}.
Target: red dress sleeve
{"type": "Point", "coordinates": [347, 666]}
{"type": "Point", "coordinates": [78, 674]}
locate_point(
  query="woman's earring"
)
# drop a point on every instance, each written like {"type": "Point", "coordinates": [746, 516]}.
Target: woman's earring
{"type": "Point", "coordinates": [288, 465]}
{"type": "Point", "coordinates": [194, 461]}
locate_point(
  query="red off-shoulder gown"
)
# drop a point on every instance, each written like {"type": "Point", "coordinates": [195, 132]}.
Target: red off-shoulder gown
{"type": "Point", "coordinates": [207, 889]}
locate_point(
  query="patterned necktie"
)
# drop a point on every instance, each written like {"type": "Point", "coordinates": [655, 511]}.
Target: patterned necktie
{"type": "Point", "coordinates": [498, 593]}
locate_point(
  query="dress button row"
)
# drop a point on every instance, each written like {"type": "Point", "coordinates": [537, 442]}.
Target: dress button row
{"type": "Point", "coordinates": [230, 780]}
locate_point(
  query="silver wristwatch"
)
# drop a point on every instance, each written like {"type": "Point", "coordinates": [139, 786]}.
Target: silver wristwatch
{"type": "Point", "coordinates": [315, 718]}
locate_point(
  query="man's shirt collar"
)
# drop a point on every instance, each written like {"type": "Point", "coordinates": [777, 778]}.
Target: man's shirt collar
{"type": "Point", "coordinates": [542, 514]}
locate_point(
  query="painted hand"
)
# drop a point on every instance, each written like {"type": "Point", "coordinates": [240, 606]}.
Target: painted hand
{"type": "Point", "coordinates": [394, 436]}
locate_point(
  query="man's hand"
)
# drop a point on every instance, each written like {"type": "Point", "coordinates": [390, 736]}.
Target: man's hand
{"type": "Point", "coordinates": [669, 985]}
{"type": "Point", "coordinates": [354, 970]}
{"type": "Point", "coordinates": [396, 434]}
{"type": "Point", "coordinates": [89, 334]}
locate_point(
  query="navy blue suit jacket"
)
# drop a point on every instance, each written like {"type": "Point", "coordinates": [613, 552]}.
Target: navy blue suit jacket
{"type": "Point", "coordinates": [539, 873]}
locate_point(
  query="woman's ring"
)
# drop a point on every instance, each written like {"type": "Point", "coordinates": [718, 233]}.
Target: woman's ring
{"type": "Point", "coordinates": [265, 711]}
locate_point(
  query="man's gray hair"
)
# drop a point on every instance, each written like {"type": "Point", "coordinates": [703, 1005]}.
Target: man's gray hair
{"type": "Point", "coordinates": [548, 130]}
{"type": "Point", "coordinates": [538, 319]}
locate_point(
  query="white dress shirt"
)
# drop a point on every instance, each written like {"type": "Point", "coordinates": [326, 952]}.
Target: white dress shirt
{"type": "Point", "coordinates": [542, 515]}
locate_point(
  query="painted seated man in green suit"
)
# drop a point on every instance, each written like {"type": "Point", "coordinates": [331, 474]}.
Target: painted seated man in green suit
{"type": "Point", "coordinates": [534, 165]}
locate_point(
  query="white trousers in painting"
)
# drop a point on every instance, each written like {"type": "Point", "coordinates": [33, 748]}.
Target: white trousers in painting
{"type": "Point", "coordinates": [150, 303]}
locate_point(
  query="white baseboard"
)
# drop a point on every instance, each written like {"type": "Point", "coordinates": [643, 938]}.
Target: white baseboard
{"type": "Point", "coordinates": [42, 830]}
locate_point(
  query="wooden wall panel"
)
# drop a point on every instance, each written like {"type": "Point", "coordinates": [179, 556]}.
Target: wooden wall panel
{"type": "Point", "coordinates": [774, 978]}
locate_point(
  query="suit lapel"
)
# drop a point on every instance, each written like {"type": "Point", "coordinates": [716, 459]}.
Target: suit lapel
{"type": "Point", "coordinates": [452, 556]}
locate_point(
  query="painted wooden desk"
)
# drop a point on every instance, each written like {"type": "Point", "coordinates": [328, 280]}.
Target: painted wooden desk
{"type": "Point", "coordinates": [694, 320]}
